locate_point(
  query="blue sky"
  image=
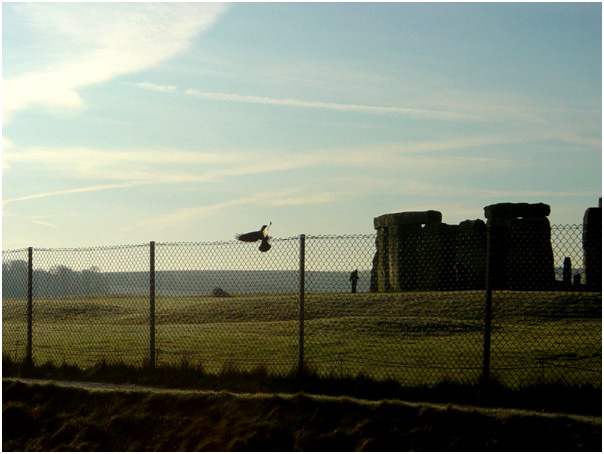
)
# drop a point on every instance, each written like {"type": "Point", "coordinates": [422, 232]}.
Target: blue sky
{"type": "Point", "coordinates": [130, 122]}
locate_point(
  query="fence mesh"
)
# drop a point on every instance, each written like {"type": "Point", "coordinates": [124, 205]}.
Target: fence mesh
{"type": "Point", "coordinates": [14, 303]}
{"type": "Point", "coordinates": [415, 314]}
{"type": "Point", "coordinates": [88, 304]}
{"type": "Point", "coordinates": [416, 336]}
{"type": "Point", "coordinates": [224, 305]}
{"type": "Point", "coordinates": [547, 324]}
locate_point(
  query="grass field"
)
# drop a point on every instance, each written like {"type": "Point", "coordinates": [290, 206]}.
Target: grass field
{"type": "Point", "coordinates": [416, 338]}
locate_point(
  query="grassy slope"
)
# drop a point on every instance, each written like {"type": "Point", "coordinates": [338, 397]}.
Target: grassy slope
{"type": "Point", "coordinates": [415, 338]}
{"type": "Point", "coordinates": [48, 417]}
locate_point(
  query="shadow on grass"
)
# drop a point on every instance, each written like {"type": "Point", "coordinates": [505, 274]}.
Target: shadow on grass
{"type": "Point", "coordinates": [562, 398]}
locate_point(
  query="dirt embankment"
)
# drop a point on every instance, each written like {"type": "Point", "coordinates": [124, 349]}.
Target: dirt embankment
{"type": "Point", "coordinates": [46, 417]}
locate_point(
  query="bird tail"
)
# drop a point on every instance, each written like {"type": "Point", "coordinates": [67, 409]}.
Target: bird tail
{"type": "Point", "coordinates": [264, 245]}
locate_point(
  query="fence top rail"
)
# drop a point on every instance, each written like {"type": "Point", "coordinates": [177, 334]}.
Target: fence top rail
{"type": "Point", "coordinates": [92, 248]}
{"type": "Point", "coordinates": [14, 251]}
{"type": "Point", "coordinates": [566, 226]}
{"type": "Point", "coordinates": [229, 242]}
{"type": "Point", "coordinates": [336, 237]}
{"type": "Point", "coordinates": [218, 243]}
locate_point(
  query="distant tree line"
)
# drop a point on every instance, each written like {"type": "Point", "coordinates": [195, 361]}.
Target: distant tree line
{"type": "Point", "coordinates": [58, 281]}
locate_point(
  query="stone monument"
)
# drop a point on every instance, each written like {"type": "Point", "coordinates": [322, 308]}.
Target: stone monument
{"type": "Point", "coordinates": [471, 255]}
{"type": "Point", "coordinates": [520, 246]}
{"type": "Point", "coordinates": [395, 262]}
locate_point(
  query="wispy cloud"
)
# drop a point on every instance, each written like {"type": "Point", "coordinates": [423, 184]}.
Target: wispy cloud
{"type": "Point", "coordinates": [183, 216]}
{"type": "Point", "coordinates": [108, 40]}
{"type": "Point", "coordinates": [533, 123]}
{"type": "Point", "coordinates": [45, 224]}
{"type": "Point", "coordinates": [152, 166]}
{"type": "Point", "coordinates": [155, 87]}
{"type": "Point", "coordinates": [307, 199]}
{"type": "Point", "coordinates": [455, 194]}
{"type": "Point", "coordinates": [173, 166]}
{"type": "Point", "coordinates": [122, 169]}
{"type": "Point", "coordinates": [292, 197]}
{"type": "Point", "coordinates": [101, 187]}
{"type": "Point", "coordinates": [299, 103]}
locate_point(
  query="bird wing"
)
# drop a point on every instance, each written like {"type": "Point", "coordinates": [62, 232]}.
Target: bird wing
{"type": "Point", "coordinates": [249, 237]}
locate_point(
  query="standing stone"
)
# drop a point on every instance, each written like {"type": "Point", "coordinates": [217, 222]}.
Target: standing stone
{"type": "Point", "coordinates": [470, 259]}
{"type": "Point", "coordinates": [592, 248]}
{"type": "Point", "coordinates": [577, 280]}
{"type": "Point", "coordinates": [498, 230]}
{"type": "Point", "coordinates": [520, 246]}
{"type": "Point", "coordinates": [383, 273]}
{"type": "Point", "coordinates": [436, 257]}
{"type": "Point", "coordinates": [530, 258]}
{"type": "Point", "coordinates": [402, 250]}
{"type": "Point", "coordinates": [567, 272]}
{"type": "Point", "coordinates": [373, 286]}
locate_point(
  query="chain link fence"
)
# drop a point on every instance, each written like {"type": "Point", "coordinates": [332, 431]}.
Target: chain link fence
{"type": "Point", "coordinates": [248, 314]}
{"type": "Point", "coordinates": [544, 331]}
{"type": "Point", "coordinates": [316, 302]}
{"type": "Point", "coordinates": [86, 304]}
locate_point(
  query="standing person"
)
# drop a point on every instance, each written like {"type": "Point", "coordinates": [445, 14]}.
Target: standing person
{"type": "Point", "coordinates": [354, 277]}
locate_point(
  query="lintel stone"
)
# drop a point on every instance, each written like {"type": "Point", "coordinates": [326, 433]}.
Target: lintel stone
{"type": "Point", "coordinates": [517, 210]}
{"type": "Point", "coordinates": [408, 218]}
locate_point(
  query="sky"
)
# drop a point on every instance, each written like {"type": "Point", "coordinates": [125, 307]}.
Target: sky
{"type": "Point", "coordinates": [124, 123]}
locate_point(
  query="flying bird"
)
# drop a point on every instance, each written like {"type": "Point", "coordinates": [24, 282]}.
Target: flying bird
{"type": "Point", "coordinates": [261, 235]}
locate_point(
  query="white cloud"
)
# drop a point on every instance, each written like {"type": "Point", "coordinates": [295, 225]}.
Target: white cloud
{"type": "Point", "coordinates": [116, 39]}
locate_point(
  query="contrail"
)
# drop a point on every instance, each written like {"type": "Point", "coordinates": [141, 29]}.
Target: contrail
{"type": "Point", "coordinates": [289, 102]}
{"type": "Point", "coordinates": [380, 110]}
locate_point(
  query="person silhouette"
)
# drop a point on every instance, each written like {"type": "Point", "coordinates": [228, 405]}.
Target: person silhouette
{"type": "Point", "coordinates": [354, 277]}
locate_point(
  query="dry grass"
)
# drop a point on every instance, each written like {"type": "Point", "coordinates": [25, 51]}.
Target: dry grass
{"type": "Point", "coordinates": [45, 418]}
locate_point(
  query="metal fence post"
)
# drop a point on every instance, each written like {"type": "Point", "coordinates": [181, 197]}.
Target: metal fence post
{"type": "Point", "coordinates": [301, 306]}
{"type": "Point", "coordinates": [30, 307]}
{"type": "Point", "coordinates": [152, 304]}
{"type": "Point", "coordinates": [486, 355]}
